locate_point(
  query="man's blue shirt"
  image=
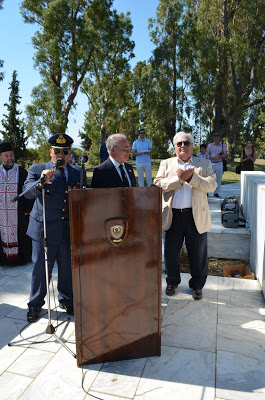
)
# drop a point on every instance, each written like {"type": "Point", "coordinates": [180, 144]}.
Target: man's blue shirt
{"type": "Point", "coordinates": [140, 146]}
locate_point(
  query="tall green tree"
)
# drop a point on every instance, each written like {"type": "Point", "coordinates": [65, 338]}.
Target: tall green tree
{"type": "Point", "coordinates": [226, 58]}
{"type": "Point", "coordinates": [13, 126]}
{"type": "Point", "coordinates": [106, 83]}
{"type": "Point", "coordinates": [160, 82]}
{"type": "Point", "coordinates": [69, 33]}
{"type": "Point", "coordinates": [108, 115]}
{"type": "Point", "coordinates": [170, 100]}
{"type": "Point", "coordinates": [152, 91]}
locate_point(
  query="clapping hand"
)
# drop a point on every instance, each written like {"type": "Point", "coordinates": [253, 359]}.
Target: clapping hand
{"type": "Point", "coordinates": [185, 175]}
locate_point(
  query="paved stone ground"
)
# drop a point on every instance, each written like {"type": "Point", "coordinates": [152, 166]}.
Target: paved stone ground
{"type": "Point", "coordinates": [211, 349]}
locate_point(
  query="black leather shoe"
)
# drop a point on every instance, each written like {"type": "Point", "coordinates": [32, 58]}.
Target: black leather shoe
{"type": "Point", "coordinates": [216, 195]}
{"type": "Point", "coordinates": [171, 289]}
{"type": "Point", "coordinates": [68, 309]}
{"type": "Point", "coordinates": [197, 294]}
{"type": "Point", "coordinates": [33, 314]}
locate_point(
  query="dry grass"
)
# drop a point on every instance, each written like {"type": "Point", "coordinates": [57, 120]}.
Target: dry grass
{"type": "Point", "coordinates": [216, 265]}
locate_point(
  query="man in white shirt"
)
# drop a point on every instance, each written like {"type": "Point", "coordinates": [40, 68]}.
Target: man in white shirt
{"type": "Point", "coordinates": [185, 181]}
{"type": "Point", "coordinates": [142, 149]}
{"type": "Point", "coordinates": [217, 152]}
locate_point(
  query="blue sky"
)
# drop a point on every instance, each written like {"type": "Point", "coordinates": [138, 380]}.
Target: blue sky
{"type": "Point", "coordinates": [17, 52]}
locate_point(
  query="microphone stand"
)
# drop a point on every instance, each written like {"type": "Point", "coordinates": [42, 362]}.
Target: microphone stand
{"type": "Point", "coordinates": [50, 330]}
{"type": "Point", "coordinates": [83, 159]}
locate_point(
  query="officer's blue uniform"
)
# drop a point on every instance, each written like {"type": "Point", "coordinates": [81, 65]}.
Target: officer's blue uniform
{"type": "Point", "coordinates": [58, 233]}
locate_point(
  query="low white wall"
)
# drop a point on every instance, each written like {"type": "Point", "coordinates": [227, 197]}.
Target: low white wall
{"type": "Point", "coordinates": [252, 198]}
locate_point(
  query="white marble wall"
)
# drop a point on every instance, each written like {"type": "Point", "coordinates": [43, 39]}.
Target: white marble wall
{"type": "Point", "coordinates": [253, 205]}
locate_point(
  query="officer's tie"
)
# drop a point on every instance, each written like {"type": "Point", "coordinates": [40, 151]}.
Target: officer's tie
{"type": "Point", "coordinates": [124, 176]}
{"type": "Point", "coordinates": [63, 175]}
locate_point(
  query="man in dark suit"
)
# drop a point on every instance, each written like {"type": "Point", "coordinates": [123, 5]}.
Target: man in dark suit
{"type": "Point", "coordinates": [56, 186]}
{"type": "Point", "coordinates": [115, 171]}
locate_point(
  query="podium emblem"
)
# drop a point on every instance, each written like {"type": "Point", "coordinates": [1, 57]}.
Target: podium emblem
{"type": "Point", "coordinates": [116, 230]}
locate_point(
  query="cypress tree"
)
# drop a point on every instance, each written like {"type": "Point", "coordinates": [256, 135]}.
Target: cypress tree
{"type": "Point", "coordinates": [14, 127]}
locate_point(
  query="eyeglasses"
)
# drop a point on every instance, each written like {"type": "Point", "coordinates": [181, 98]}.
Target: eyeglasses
{"type": "Point", "coordinates": [58, 151]}
{"type": "Point", "coordinates": [124, 148]}
{"type": "Point", "coordinates": [142, 133]}
{"type": "Point", "coordinates": [185, 143]}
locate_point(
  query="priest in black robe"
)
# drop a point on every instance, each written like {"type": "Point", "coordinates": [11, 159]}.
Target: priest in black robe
{"type": "Point", "coordinates": [15, 245]}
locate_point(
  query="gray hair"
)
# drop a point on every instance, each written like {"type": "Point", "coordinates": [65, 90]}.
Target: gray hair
{"type": "Point", "coordinates": [113, 141]}
{"type": "Point", "coordinates": [178, 134]}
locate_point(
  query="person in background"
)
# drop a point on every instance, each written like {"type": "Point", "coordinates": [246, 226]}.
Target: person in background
{"type": "Point", "coordinates": [115, 171]}
{"type": "Point", "coordinates": [103, 152]}
{"type": "Point", "coordinates": [217, 151]}
{"type": "Point", "coordinates": [185, 181]}
{"type": "Point", "coordinates": [15, 248]}
{"type": "Point", "coordinates": [57, 182]}
{"type": "Point", "coordinates": [73, 159]}
{"type": "Point", "coordinates": [203, 153]}
{"type": "Point", "coordinates": [142, 149]}
{"type": "Point", "coordinates": [248, 157]}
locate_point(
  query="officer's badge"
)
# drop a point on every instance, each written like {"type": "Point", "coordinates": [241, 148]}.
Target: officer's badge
{"type": "Point", "coordinates": [61, 139]}
{"type": "Point", "coordinates": [116, 230]}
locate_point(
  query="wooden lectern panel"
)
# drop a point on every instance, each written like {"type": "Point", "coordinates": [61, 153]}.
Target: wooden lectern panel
{"type": "Point", "coordinates": [116, 267]}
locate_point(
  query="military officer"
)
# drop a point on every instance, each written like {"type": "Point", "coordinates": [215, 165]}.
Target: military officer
{"type": "Point", "coordinates": [56, 186]}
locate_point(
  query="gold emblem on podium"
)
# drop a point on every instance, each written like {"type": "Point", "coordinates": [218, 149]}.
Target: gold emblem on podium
{"type": "Point", "coordinates": [116, 230]}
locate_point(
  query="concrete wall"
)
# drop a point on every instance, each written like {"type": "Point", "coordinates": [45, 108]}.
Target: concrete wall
{"type": "Point", "coordinates": [253, 206]}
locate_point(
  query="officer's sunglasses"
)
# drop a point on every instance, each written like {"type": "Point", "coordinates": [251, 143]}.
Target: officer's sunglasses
{"type": "Point", "coordinates": [57, 151]}
{"type": "Point", "coordinates": [185, 143]}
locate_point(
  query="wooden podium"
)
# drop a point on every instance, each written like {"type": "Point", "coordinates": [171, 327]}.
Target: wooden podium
{"type": "Point", "coordinates": [116, 267]}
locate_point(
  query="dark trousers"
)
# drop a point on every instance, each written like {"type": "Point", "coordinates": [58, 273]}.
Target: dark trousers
{"type": "Point", "coordinates": [60, 253]}
{"type": "Point", "coordinates": [183, 226]}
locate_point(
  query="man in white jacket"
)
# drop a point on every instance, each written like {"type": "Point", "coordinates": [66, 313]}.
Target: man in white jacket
{"type": "Point", "coordinates": [185, 181]}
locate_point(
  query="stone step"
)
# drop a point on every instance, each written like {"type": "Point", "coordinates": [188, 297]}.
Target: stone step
{"type": "Point", "coordinates": [230, 243]}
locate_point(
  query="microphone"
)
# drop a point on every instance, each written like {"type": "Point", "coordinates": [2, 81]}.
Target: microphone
{"type": "Point", "coordinates": [83, 158]}
{"type": "Point", "coordinates": [59, 163]}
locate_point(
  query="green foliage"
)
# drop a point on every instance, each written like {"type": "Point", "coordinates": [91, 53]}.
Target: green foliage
{"type": "Point", "coordinates": [226, 58]}
{"type": "Point", "coordinates": [14, 127]}
{"type": "Point", "coordinates": [107, 87]}
{"type": "Point", "coordinates": [206, 72]}
{"type": "Point", "coordinates": [69, 33]}
{"type": "Point", "coordinates": [254, 129]}
{"type": "Point", "coordinates": [44, 116]}
{"type": "Point", "coordinates": [166, 102]}
{"type": "Point", "coordinates": [34, 156]}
